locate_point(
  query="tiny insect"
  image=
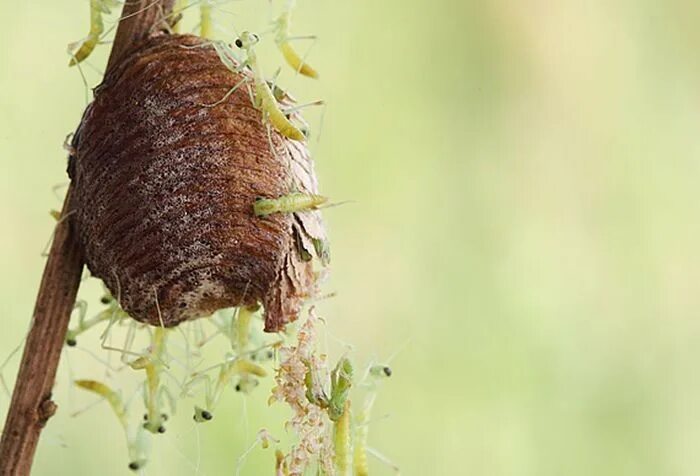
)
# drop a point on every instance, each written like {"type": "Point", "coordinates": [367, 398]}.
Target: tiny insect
{"type": "Point", "coordinates": [213, 390]}
{"type": "Point", "coordinates": [202, 415]}
{"type": "Point", "coordinates": [264, 99]}
{"type": "Point", "coordinates": [380, 371]}
{"type": "Point", "coordinates": [153, 365]}
{"type": "Point", "coordinates": [112, 312]}
{"type": "Point", "coordinates": [283, 38]}
{"type": "Point", "coordinates": [294, 202]}
{"type": "Point", "coordinates": [87, 45]}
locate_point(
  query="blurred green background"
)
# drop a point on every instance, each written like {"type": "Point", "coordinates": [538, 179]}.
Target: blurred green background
{"type": "Point", "coordinates": [525, 217]}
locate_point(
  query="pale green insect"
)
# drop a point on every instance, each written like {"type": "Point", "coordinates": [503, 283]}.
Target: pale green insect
{"type": "Point", "coordinates": [213, 390]}
{"type": "Point", "coordinates": [153, 364]}
{"type": "Point", "coordinates": [97, 28]}
{"type": "Point", "coordinates": [112, 312]}
{"type": "Point", "coordinates": [294, 202]}
{"type": "Point", "coordinates": [264, 99]}
{"type": "Point", "coordinates": [380, 371]}
{"type": "Point", "coordinates": [283, 37]}
{"type": "Point", "coordinates": [238, 331]}
{"type": "Point", "coordinates": [265, 96]}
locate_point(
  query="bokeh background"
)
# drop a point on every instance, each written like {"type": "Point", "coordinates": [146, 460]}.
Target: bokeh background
{"type": "Point", "coordinates": [523, 231]}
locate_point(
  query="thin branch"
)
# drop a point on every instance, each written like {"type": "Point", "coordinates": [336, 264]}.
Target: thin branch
{"type": "Point", "coordinates": [31, 404]}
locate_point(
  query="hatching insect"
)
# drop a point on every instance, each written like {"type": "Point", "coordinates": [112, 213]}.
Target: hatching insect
{"type": "Point", "coordinates": [264, 99]}
{"type": "Point", "coordinates": [112, 313]}
{"type": "Point", "coordinates": [153, 364]}
{"type": "Point", "coordinates": [97, 28]}
{"type": "Point", "coordinates": [213, 390]}
{"type": "Point", "coordinates": [380, 371]}
{"type": "Point", "coordinates": [283, 38]}
{"type": "Point", "coordinates": [265, 96]}
{"type": "Point", "coordinates": [294, 202]}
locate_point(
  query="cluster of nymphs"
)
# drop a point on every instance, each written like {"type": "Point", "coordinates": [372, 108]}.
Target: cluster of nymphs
{"type": "Point", "coordinates": [278, 107]}
{"type": "Point", "coordinates": [178, 370]}
{"type": "Point", "coordinates": [331, 436]}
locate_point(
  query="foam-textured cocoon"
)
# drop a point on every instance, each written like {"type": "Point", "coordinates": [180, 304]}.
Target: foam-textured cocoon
{"type": "Point", "coordinates": [164, 191]}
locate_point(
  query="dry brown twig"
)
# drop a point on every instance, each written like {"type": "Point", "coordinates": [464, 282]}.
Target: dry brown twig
{"type": "Point", "coordinates": [31, 404]}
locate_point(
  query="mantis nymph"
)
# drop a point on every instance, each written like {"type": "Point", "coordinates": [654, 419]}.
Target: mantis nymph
{"type": "Point", "coordinates": [153, 365]}
{"type": "Point", "coordinates": [294, 202]}
{"type": "Point", "coordinates": [112, 313]}
{"type": "Point", "coordinates": [282, 38]}
{"type": "Point", "coordinates": [97, 28]}
{"type": "Point", "coordinates": [264, 99]}
{"type": "Point", "coordinates": [213, 391]}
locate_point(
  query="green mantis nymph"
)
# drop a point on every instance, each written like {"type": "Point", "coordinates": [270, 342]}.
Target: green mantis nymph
{"type": "Point", "coordinates": [153, 363]}
{"type": "Point", "coordinates": [294, 202]}
{"type": "Point", "coordinates": [214, 390]}
{"type": "Point", "coordinates": [264, 98]}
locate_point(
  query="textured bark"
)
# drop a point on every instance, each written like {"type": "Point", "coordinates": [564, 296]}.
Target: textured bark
{"type": "Point", "coordinates": [31, 404]}
{"type": "Point", "coordinates": [165, 188]}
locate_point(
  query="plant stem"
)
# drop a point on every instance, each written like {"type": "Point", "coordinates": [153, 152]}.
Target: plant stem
{"type": "Point", "coordinates": [31, 404]}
